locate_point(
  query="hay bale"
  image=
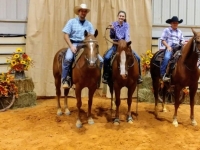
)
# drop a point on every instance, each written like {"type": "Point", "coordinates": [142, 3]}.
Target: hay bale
{"type": "Point", "coordinates": [25, 100]}
{"type": "Point", "coordinates": [24, 85]}
{"type": "Point", "coordinates": [145, 93]}
{"type": "Point", "coordinates": [27, 97]}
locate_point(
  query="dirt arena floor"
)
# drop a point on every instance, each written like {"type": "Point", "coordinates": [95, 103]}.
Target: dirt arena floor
{"type": "Point", "coordinates": [38, 128]}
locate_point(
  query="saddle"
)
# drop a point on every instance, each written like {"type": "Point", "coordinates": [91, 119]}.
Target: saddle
{"type": "Point", "coordinates": [171, 65]}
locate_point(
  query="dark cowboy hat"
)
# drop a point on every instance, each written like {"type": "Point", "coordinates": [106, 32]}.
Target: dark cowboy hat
{"type": "Point", "coordinates": [174, 19]}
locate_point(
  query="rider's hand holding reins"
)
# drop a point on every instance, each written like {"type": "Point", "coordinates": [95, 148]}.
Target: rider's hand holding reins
{"type": "Point", "coordinates": [111, 26]}
{"type": "Point", "coordinates": [73, 49]}
{"type": "Point", "coordinates": [169, 48]}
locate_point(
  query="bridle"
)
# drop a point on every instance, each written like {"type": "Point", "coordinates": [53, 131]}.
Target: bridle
{"type": "Point", "coordinates": [91, 61]}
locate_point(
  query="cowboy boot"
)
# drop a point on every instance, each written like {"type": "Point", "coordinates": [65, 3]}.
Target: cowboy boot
{"type": "Point", "coordinates": [66, 79]}
{"type": "Point", "coordinates": [166, 75]}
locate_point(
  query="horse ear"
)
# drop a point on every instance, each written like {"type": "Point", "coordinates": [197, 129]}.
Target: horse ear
{"type": "Point", "coordinates": [129, 43]}
{"type": "Point", "coordinates": [194, 32]}
{"type": "Point", "coordinates": [85, 33]}
{"type": "Point", "coordinates": [96, 33]}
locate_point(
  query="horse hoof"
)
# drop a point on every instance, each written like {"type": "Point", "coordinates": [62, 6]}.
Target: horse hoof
{"type": "Point", "coordinates": [90, 121]}
{"type": "Point", "coordinates": [78, 124]}
{"type": "Point", "coordinates": [175, 123]}
{"type": "Point", "coordinates": [59, 112]}
{"type": "Point", "coordinates": [130, 120]}
{"type": "Point", "coordinates": [67, 112]}
{"type": "Point", "coordinates": [194, 123]}
{"type": "Point", "coordinates": [116, 122]}
{"type": "Point", "coordinates": [164, 110]}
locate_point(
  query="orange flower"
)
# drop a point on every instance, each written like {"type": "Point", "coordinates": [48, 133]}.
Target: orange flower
{"type": "Point", "coordinates": [19, 61]}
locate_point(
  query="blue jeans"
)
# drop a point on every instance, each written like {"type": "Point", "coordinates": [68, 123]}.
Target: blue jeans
{"type": "Point", "coordinates": [68, 60]}
{"type": "Point", "coordinates": [165, 61]}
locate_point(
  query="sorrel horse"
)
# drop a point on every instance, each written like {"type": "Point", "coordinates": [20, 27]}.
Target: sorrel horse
{"type": "Point", "coordinates": [86, 73]}
{"type": "Point", "coordinates": [184, 74]}
{"type": "Point", "coordinates": [125, 73]}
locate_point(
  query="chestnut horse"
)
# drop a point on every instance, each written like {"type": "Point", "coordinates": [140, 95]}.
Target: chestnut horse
{"type": "Point", "coordinates": [86, 73]}
{"type": "Point", "coordinates": [185, 73]}
{"type": "Point", "coordinates": [125, 73]}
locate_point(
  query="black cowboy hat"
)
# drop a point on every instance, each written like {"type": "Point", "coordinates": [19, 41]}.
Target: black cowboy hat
{"type": "Point", "coordinates": [174, 19]}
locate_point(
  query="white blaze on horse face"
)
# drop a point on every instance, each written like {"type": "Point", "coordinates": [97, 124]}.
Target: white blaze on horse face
{"type": "Point", "coordinates": [122, 63]}
{"type": "Point", "coordinates": [91, 51]}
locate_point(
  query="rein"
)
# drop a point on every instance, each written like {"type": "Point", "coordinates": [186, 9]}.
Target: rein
{"type": "Point", "coordinates": [85, 41]}
{"type": "Point", "coordinates": [107, 38]}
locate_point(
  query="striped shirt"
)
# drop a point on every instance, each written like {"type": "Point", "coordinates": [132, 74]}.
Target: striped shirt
{"type": "Point", "coordinates": [172, 36]}
{"type": "Point", "coordinates": [75, 29]}
{"type": "Point", "coordinates": [120, 31]}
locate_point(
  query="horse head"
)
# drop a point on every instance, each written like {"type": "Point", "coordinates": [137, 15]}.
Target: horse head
{"type": "Point", "coordinates": [125, 57]}
{"type": "Point", "coordinates": [91, 46]}
{"type": "Point", "coordinates": [196, 40]}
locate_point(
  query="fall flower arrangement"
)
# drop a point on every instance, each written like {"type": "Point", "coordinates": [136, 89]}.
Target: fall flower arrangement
{"type": "Point", "coordinates": [19, 61]}
{"type": "Point", "coordinates": [7, 85]}
{"type": "Point", "coordinates": [145, 61]}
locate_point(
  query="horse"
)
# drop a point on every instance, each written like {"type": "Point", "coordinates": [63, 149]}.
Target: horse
{"type": "Point", "coordinates": [85, 73]}
{"type": "Point", "coordinates": [185, 73]}
{"type": "Point", "coordinates": [125, 73]}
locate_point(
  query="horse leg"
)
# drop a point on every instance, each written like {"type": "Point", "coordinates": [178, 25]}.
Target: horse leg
{"type": "Point", "coordinates": [155, 89]}
{"type": "Point", "coordinates": [117, 102]}
{"type": "Point", "coordinates": [192, 95]}
{"type": "Point", "coordinates": [78, 104]}
{"type": "Point", "coordinates": [91, 93]}
{"type": "Point", "coordinates": [67, 112]}
{"type": "Point", "coordinates": [129, 102]}
{"type": "Point", "coordinates": [58, 94]}
{"type": "Point", "coordinates": [164, 109]}
{"type": "Point", "coordinates": [176, 104]}
{"type": "Point", "coordinates": [113, 106]}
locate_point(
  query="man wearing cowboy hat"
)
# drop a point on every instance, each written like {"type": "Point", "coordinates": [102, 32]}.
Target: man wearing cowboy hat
{"type": "Point", "coordinates": [171, 38]}
{"type": "Point", "coordinates": [73, 35]}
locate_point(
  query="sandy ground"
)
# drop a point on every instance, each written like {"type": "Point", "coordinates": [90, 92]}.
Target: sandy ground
{"type": "Point", "coordinates": [38, 128]}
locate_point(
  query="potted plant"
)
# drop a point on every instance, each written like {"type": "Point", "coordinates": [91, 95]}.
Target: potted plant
{"type": "Point", "coordinates": [19, 62]}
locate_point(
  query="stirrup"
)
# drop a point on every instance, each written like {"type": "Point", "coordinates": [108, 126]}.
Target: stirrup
{"type": "Point", "coordinates": [104, 81]}
{"type": "Point", "coordinates": [65, 85]}
{"type": "Point", "coordinates": [139, 81]}
{"type": "Point", "coordinates": [165, 78]}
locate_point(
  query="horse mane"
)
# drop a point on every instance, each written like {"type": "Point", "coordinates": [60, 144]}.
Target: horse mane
{"type": "Point", "coordinates": [187, 49]}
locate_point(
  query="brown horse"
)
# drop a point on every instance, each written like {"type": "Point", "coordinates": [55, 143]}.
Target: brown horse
{"type": "Point", "coordinates": [86, 73]}
{"type": "Point", "coordinates": [125, 73]}
{"type": "Point", "coordinates": [184, 74]}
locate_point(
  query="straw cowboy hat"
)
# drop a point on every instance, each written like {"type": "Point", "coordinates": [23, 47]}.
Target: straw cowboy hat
{"type": "Point", "coordinates": [82, 6]}
{"type": "Point", "coordinates": [174, 19]}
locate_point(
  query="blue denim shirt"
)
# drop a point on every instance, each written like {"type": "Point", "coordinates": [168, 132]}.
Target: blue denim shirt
{"type": "Point", "coordinates": [75, 29]}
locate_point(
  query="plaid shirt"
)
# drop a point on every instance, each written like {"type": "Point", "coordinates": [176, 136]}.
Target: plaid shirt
{"type": "Point", "coordinates": [120, 31]}
{"type": "Point", "coordinates": [172, 36]}
{"type": "Point", "coordinates": [75, 29]}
